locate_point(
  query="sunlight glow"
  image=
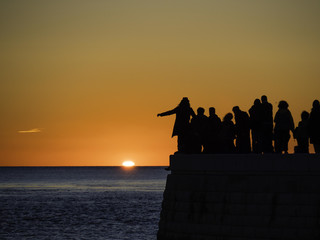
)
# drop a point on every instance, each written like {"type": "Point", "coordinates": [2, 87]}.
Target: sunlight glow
{"type": "Point", "coordinates": [128, 164]}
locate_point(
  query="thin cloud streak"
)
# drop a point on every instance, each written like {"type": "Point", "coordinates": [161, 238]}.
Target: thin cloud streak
{"type": "Point", "coordinates": [34, 130]}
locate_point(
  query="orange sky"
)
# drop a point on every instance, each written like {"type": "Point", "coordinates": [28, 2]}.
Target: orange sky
{"type": "Point", "coordinates": [90, 76]}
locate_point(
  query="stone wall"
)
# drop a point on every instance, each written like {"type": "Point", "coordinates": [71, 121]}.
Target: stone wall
{"type": "Point", "coordinates": [241, 197]}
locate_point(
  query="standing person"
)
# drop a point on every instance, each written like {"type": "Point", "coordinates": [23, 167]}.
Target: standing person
{"type": "Point", "coordinates": [266, 125]}
{"type": "Point", "coordinates": [256, 126]}
{"type": "Point", "coordinates": [301, 133]}
{"type": "Point", "coordinates": [283, 125]}
{"type": "Point", "coordinates": [181, 127]}
{"type": "Point", "coordinates": [314, 126]}
{"type": "Point", "coordinates": [242, 127]}
{"type": "Point", "coordinates": [199, 126]}
{"type": "Point", "coordinates": [227, 134]}
{"type": "Point", "coordinates": [214, 126]}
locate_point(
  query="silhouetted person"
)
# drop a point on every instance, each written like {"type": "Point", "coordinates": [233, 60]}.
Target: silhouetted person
{"type": "Point", "coordinates": [314, 126]}
{"type": "Point", "coordinates": [227, 134]}
{"type": "Point", "coordinates": [256, 126]}
{"type": "Point", "coordinates": [199, 125]}
{"type": "Point", "coordinates": [283, 124]}
{"type": "Point", "coordinates": [214, 126]}
{"type": "Point", "coordinates": [242, 128]}
{"type": "Point", "coordinates": [182, 124]}
{"type": "Point", "coordinates": [267, 125]}
{"type": "Point", "coordinates": [301, 133]}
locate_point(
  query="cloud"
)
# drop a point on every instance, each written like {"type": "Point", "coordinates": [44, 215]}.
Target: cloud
{"type": "Point", "coordinates": [34, 130]}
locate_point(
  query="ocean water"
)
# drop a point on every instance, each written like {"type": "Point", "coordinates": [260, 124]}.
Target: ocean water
{"type": "Point", "coordinates": [81, 202]}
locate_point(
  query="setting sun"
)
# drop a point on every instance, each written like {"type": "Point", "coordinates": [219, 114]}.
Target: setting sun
{"type": "Point", "coordinates": [128, 164]}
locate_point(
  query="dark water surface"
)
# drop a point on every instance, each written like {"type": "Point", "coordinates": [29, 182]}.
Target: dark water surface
{"type": "Point", "coordinates": [80, 202]}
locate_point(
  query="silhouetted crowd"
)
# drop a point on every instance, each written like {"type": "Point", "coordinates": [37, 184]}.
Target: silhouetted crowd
{"type": "Point", "coordinates": [208, 134]}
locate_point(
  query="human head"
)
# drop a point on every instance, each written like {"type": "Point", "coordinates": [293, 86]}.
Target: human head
{"type": "Point", "coordinates": [304, 115]}
{"type": "Point", "coordinates": [264, 98]}
{"type": "Point", "coordinates": [236, 109]}
{"type": "Point", "coordinates": [184, 102]}
{"type": "Point", "coordinates": [315, 104]}
{"type": "Point", "coordinates": [228, 117]}
{"type": "Point", "coordinates": [200, 111]}
{"type": "Point", "coordinates": [283, 105]}
{"type": "Point", "coordinates": [212, 111]}
{"type": "Point", "coordinates": [257, 102]}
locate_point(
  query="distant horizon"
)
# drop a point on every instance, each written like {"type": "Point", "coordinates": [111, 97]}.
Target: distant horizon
{"type": "Point", "coordinates": [88, 166]}
{"type": "Point", "coordinates": [164, 166]}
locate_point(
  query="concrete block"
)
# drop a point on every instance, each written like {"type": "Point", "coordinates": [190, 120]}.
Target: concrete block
{"type": "Point", "coordinates": [236, 220]}
{"type": "Point", "coordinates": [309, 184]}
{"type": "Point", "coordinates": [264, 210]}
{"type": "Point", "coordinates": [260, 184]}
{"type": "Point", "coordinates": [284, 185]}
{"type": "Point", "coordinates": [181, 206]}
{"type": "Point", "coordinates": [212, 230]}
{"type": "Point", "coordinates": [251, 209]}
{"type": "Point", "coordinates": [219, 208]}
{"type": "Point", "coordinates": [168, 194]}
{"type": "Point", "coordinates": [260, 232]}
{"type": "Point", "coordinates": [281, 222]}
{"type": "Point", "coordinates": [198, 196]}
{"type": "Point", "coordinates": [260, 198]}
{"type": "Point", "coordinates": [274, 233]}
{"type": "Point", "coordinates": [225, 230]}
{"type": "Point", "coordinates": [286, 210]}
{"type": "Point", "coordinates": [236, 198]}
{"type": "Point", "coordinates": [314, 163]}
{"type": "Point", "coordinates": [290, 233]}
{"type": "Point", "coordinates": [230, 197]}
{"type": "Point", "coordinates": [193, 183]}
{"type": "Point", "coordinates": [217, 183]}
{"type": "Point", "coordinates": [308, 210]}
{"type": "Point", "coordinates": [236, 209]}
{"type": "Point", "coordinates": [308, 233]}
{"type": "Point", "coordinates": [237, 231]}
{"type": "Point", "coordinates": [215, 197]}
{"type": "Point", "coordinates": [285, 198]}
{"type": "Point", "coordinates": [209, 206]}
{"type": "Point", "coordinates": [306, 221]}
{"type": "Point", "coordinates": [248, 232]}
{"type": "Point", "coordinates": [179, 217]}
{"type": "Point", "coordinates": [171, 195]}
{"type": "Point", "coordinates": [308, 198]}
{"type": "Point", "coordinates": [236, 187]}
{"type": "Point", "coordinates": [213, 219]}
{"type": "Point", "coordinates": [168, 205]}
{"type": "Point", "coordinates": [256, 221]}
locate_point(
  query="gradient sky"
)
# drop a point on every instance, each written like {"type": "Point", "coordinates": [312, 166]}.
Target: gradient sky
{"type": "Point", "coordinates": [82, 81]}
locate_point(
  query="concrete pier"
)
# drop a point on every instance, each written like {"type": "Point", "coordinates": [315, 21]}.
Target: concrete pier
{"type": "Point", "coordinates": [241, 197]}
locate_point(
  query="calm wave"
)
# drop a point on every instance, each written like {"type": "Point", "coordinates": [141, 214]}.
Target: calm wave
{"type": "Point", "coordinates": [80, 202]}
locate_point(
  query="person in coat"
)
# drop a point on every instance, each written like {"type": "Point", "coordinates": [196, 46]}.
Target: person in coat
{"type": "Point", "coordinates": [266, 125]}
{"type": "Point", "coordinates": [181, 127]}
{"type": "Point", "coordinates": [242, 128]}
{"type": "Point", "coordinates": [255, 113]}
{"type": "Point", "coordinates": [227, 134]}
{"type": "Point", "coordinates": [301, 133]}
{"type": "Point", "coordinates": [213, 137]}
{"type": "Point", "coordinates": [283, 125]}
{"type": "Point", "coordinates": [314, 126]}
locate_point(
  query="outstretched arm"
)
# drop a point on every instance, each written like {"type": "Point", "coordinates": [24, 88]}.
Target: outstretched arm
{"type": "Point", "coordinates": [173, 111]}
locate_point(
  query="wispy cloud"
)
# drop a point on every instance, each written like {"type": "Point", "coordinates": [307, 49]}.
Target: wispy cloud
{"type": "Point", "coordinates": [34, 130]}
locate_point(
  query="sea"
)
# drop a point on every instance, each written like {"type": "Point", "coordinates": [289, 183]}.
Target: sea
{"type": "Point", "coordinates": [113, 203]}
